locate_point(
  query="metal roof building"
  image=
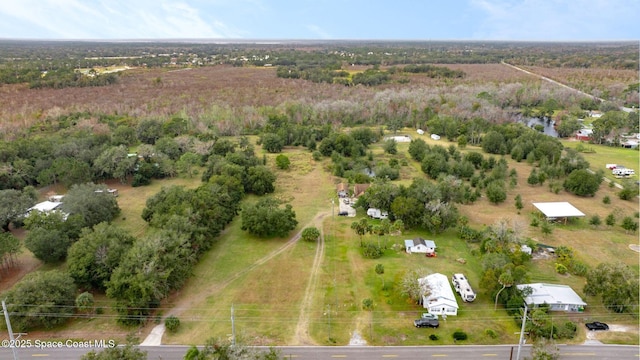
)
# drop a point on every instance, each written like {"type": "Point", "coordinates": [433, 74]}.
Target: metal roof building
{"type": "Point", "coordinates": [438, 296]}
{"type": "Point", "coordinates": [555, 210]}
{"type": "Point", "coordinates": [558, 297]}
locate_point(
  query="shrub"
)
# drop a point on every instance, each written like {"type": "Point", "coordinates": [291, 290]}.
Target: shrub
{"type": "Point", "coordinates": [391, 147]}
{"type": "Point", "coordinates": [496, 192]}
{"type": "Point", "coordinates": [566, 331]}
{"type": "Point", "coordinates": [434, 337]}
{"type": "Point", "coordinates": [283, 162]}
{"type": "Point", "coordinates": [535, 222]}
{"type": "Point", "coordinates": [469, 234]}
{"type": "Point", "coordinates": [606, 200]}
{"type": "Point", "coordinates": [561, 269]}
{"type": "Point", "coordinates": [317, 156]}
{"type": "Point", "coordinates": [367, 304]}
{"type": "Point", "coordinates": [578, 268]}
{"type": "Point", "coordinates": [490, 333]}
{"type": "Point", "coordinates": [272, 143]}
{"type": "Point", "coordinates": [629, 225]}
{"type": "Point", "coordinates": [459, 335]}
{"type": "Point", "coordinates": [371, 251]}
{"type": "Point", "coordinates": [172, 323]}
{"type": "Point", "coordinates": [310, 234]}
{"type": "Point", "coordinates": [84, 302]}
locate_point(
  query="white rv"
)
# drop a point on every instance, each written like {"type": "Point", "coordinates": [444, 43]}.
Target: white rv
{"type": "Point", "coordinates": [377, 213]}
{"type": "Point", "coordinates": [623, 172]}
{"type": "Point", "coordinates": [462, 287]}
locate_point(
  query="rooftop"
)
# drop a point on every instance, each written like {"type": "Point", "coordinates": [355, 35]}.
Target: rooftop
{"type": "Point", "coordinates": [551, 294]}
{"type": "Point", "coordinates": [558, 209]}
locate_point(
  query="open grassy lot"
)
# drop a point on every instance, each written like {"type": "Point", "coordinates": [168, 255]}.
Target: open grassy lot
{"type": "Point", "coordinates": [265, 292]}
{"type": "Point", "coordinates": [600, 155]}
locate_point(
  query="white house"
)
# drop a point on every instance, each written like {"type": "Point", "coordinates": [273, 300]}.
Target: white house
{"type": "Point", "coordinates": [420, 245]}
{"type": "Point", "coordinates": [438, 297]}
{"type": "Point", "coordinates": [558, 297]}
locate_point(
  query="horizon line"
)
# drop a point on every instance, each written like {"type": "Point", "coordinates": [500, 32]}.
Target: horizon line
{"type": "Point", "coordinates": [291, 40]}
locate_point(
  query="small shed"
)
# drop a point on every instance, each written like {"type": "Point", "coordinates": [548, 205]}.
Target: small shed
{"type": "Point", "coordinates": [558, 297]}
{"type": "Point", "coordinates": [438, 296]}
{"type": "Point", "coordinates": [420, 245]}
{"type": "Point", "coordinates": [558, 210]}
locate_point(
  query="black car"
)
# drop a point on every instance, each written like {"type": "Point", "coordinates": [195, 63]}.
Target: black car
{"type": "Point", "coordinates": [433, 323]}
{"type": "Point", "coordinates": [597, 325]}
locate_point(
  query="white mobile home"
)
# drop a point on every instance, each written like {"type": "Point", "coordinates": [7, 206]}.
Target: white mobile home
{"type": "Point", "coordinates": [438, 297]}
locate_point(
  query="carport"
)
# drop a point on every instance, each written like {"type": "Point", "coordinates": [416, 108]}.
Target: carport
{"type": "Point", "coordinates": [558, 210]}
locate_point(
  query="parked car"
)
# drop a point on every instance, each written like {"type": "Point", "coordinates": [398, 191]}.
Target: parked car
{"type": "Point", "coordinates": [343, 213]}
{"type": "Point", "coordinates": [429, 316]}
{"type": "Point", "coordinates": [597, 325]}
{"type": "Point", "coordinates": [433, 323]}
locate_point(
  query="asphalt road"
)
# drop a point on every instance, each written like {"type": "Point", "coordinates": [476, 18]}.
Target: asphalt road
{"type": "Point", "coordinates": [595, 352]}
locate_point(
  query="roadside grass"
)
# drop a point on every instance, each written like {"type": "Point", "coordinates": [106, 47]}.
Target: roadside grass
{"type": "Point", "coordinates": [264, 299]}
{"type": "Point", "coordinates": [100, 325]}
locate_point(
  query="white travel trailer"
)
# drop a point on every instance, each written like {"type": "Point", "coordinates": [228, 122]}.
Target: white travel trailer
{"type": "Point", "coordinates": [623, 171]}
{"type": "Point", "coordinates": [462, 287]}
{"type": "Point", "coordinates": [377, 213]}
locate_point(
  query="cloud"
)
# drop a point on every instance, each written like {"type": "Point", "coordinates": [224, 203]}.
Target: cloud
{"type": "Point", "coordinates": [115, 19]}
{"type": "Point", "coordinates": [553, 19]}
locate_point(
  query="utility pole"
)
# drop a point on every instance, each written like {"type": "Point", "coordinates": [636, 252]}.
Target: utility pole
{"type": "Point", "coordinates": [233, 327]}
{"type": "Point", "coordinates": [11, 339]}
{"type": "Point", "coordinates": [332, 203]}
{"type": "Point", "coordinates": [524, 321]}
{"type": "Point", "coordinates": [329, 313]}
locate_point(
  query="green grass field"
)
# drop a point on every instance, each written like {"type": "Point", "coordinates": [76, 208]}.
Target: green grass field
{"type": "Point", "coordinates": [600, 155]}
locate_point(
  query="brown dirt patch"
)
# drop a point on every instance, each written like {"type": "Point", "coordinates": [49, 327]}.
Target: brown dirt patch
{"type": "Point", "coordinates": [26, 263]}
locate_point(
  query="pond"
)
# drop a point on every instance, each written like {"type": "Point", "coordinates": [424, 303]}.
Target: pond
{"type": "Point", "coordinates": [546, 123]}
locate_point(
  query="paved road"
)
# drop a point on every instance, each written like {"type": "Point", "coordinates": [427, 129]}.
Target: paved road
{"type": "Point", "coordinates": [589, 352]}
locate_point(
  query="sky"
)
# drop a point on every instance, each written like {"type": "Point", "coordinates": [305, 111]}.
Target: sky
{"type": "Point", "coordinates": [521, 20]}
